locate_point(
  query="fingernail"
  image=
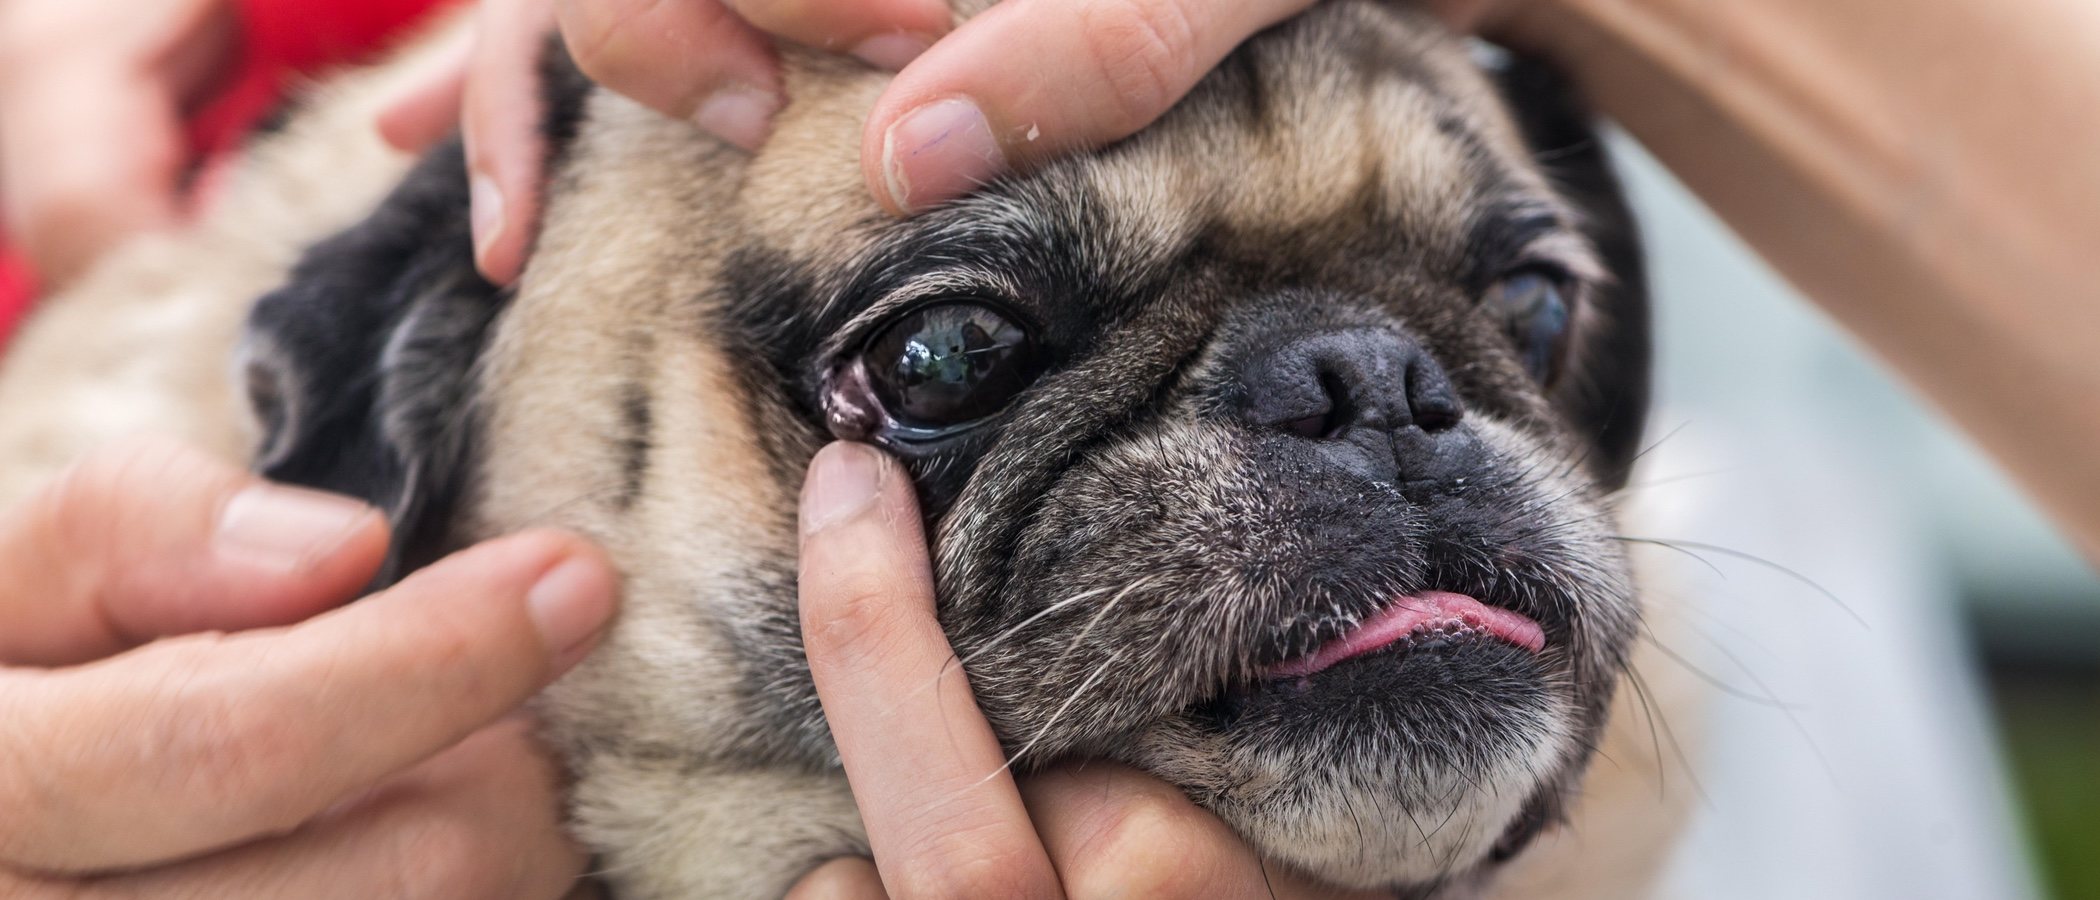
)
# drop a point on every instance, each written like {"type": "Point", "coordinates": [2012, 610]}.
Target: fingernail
{"type": "Point", "coordinates": [287, 528]}
{"type": "Point", "coordinates": [844, 481]}
{"type": "Point", "coordinates": [739, 113]}
{"type": "Point", "coordinates": [939, 151]}
{"type": "Point", "coordinates": [486, 201]}
{"type": "Point", "coordinates": [892, 51]}
{"type": "Point", "coordinates": [570, 605]}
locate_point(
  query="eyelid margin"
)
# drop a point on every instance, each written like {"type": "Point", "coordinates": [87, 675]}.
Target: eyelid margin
{"type": "Point", "coordinates": [988, 287]}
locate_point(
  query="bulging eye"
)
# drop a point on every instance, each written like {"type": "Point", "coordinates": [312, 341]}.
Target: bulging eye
{"type": "Point", "coordinates": [949, 365]}
{"type": "Point", "coordinates": [1534, 305]}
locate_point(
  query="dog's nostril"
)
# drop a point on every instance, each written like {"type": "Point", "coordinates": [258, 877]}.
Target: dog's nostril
{"type": "Point", "coordinates": [1335, 415]}
{"type": "Point", "coordinates": [1315, 427]}
{"type": "Point", "coordinates": [1329, 385]}
{"type": "Point", "coordinates": [1431, 400]}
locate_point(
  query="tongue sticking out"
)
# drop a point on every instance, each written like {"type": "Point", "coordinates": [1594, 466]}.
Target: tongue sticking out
{"type": "Point", "coordinates": [1420, 612]}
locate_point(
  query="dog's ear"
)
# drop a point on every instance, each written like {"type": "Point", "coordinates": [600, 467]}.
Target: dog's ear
{"type": "Point", "coordinates": [361, 367]}
{"type": "Point", "coordinates": [1609, 396]}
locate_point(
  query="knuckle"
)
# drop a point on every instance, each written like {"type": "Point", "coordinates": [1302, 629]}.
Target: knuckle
{"type": "Point", "coordinates": [457, 642]}
{"type": "Point", "coordinates": [1144, 53]}
{"type": "Point", "coordinates": [857, 622]}
{"type": "Point", "coordinates": [957, 867]}
{"type": "Point", "coordinates": [210, 742]}
{"type": "Point", "coordinates": [103, 504]}
{"type": "Point", "coordinates": [587, 28]}
{"type": "Point", "coordinates": [1147, 846]}
{"type": "Point", "coordinates": [643, 49]}
{"type": "Point", "coordinates": [27, 790]}
{"type": "Point", "coordinates": [782, 17]}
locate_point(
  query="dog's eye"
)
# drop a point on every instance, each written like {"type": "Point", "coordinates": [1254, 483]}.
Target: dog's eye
{"type": "Point", "coordinates": [1533, 303]}
{"type": "Point", "coordinates": [951, 364]}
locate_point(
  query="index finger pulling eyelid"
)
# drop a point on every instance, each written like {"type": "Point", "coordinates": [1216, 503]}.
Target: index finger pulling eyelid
{"type": "Point", "coordinates": [924, 765]}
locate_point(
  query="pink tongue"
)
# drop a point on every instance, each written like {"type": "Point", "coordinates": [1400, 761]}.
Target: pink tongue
{"type": "Point", "coordinates": [1428, 609]}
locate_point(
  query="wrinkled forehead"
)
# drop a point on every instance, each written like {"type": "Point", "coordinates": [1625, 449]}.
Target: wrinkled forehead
{"type": "Point", "coordinates": [1354, 119]}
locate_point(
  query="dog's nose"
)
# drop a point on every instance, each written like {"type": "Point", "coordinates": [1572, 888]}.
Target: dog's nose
{"type": "Point", "coordinates": [1373, 401]}
{"type": "Point", "coordinates": [1328, 384]}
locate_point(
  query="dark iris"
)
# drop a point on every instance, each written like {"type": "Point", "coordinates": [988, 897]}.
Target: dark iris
{"type": "Point", "coordinates": [1535, 306]}
{"type": "Point", "coordinates": [951, 364]}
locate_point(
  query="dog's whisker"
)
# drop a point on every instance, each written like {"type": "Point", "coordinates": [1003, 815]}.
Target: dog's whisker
{"type": "Point", "coordinates": [1689, 548]}
{"type": "Point", "coordinates": [1063, 708]}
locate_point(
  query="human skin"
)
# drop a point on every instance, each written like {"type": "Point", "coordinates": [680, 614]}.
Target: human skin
{"type": "Point", "coordinates": [186, 712]}
{"type": "Point", "coordinates": [1928, 171]}
{"type": "Point", "coordinates": [945, 816]}
{"type": "Point", "coordinates": [91, 99]}
{"type": "Point", "coordinates": [1867, 149]}
{"type": "Point", "coordinates": [1922, 168]}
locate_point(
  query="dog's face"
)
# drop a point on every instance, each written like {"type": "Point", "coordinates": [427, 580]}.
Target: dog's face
{"type": "Point", "coordinates": [1267, 450]}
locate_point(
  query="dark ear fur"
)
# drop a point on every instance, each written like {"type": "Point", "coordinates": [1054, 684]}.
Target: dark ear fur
{"type": "Point", "coordinates": [1610, 395]}
{"type": "Point", "coordinates": [361, 367]}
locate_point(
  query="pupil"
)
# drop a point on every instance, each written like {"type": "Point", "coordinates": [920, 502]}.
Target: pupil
{"type": "Point", "coordinates": [949, 365]}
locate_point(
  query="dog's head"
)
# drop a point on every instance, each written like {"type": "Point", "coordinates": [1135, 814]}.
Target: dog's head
{"type": "Point", "coordinates": [1268, 450]}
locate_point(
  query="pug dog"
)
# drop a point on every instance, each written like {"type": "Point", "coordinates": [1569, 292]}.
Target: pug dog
{"type": "Point", "coordinates": [1270, 451]}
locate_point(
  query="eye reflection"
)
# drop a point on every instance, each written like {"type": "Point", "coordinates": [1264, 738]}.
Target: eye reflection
{"type": "Point", "coordinates": [950, 365]}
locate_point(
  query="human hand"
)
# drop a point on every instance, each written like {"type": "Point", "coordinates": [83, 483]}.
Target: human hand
{"type": "Point", "coordinates": [92, 147]}
{"type": "Point", "coordinates": [356, 752]}
{"type": "Point", "coordinates": [1007, 90]}
{"type": "Point", "coordinates": [945, 817]}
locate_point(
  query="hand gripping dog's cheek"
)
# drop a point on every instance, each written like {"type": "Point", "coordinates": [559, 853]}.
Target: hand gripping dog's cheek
{"type": "Point", "coordinates": [1267, 450]}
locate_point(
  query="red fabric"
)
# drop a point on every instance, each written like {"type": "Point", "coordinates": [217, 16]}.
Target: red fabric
{"type": "Point", "coordinates": [284, 38]}
{"type": "Point", "coordinates": [280, 40]}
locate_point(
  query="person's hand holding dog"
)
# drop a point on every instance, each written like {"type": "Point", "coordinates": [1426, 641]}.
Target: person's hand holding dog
{"type": "Point", "coordinates": [1012, 88]}
{"type": "Point", "coordinates": [946, 817]}
{"type": "Point", "coordinates": [92, 94]}
{"type": "Point", "coordinates": [184, 711]}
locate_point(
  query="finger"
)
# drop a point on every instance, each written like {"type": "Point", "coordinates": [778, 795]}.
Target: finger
{"type": "Point", "coordinates": [93, 151]}
{"type": "Point", "coordinates": [194, 744]}
{"type": "Point", "coordinates": [429, 109]}
{"type": "Point", "coordinates": [841, 879]}
{"type": "Point", "coordinates": [1023, 82]}
{"type": "Point", "coordinates": [480, 820]}
{"type": "Point", "coordinates": [943, 817]}
{"type": "Point", "coordinates": [152, 538]}
{"type": "Point", "coordinates": [90, 157]}
{"type": "Point", "coordinates": [688, 59]}
{"type": "Point", "coordinates": [501, 129]}
{"type": "Point", "coordinates": [884, 33]}
{"type": "Point", "coordinates": [1117, 832]}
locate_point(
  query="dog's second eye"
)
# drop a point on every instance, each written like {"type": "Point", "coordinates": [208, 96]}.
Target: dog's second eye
{"type": "Point", "coordinates": [1534, 304]}
{"type": "Point", "coordinates": [950, 364]}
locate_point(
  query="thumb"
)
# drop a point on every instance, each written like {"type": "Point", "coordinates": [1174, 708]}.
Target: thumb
{"type": "Point", "coordinates": [152, 538]}
{"type": "Point", "coordinates": [1023, 83]}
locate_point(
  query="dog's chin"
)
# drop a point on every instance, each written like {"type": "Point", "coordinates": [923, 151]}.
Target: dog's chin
{"type": "Point", "coordinates": [1412, 767]}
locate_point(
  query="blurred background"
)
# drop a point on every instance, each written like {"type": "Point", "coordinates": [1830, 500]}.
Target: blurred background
{"type": "Point", "coordinates": [1905, 657]}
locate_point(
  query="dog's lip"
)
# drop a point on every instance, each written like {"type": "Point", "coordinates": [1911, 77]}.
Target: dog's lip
{"type": "Point", "coordinates": [1411, 614]}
